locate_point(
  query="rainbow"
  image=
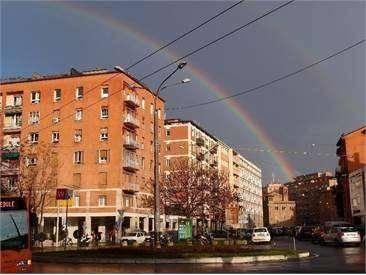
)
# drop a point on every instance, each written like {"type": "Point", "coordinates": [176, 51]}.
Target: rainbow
{"type": "Point", "coordinates": [243, 115]}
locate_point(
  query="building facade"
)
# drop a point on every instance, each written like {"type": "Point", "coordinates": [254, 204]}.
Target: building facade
{"type": "Point", "coordinates": [102, 130]}
{"type": "Point", "coordinates": [314, 195]}
{"type": "Point", "coordinates": [351, 154]}
{"type": "Point", "coordinates": [278, 210]}
{"type": "Point", "coordinates": [188, 140]}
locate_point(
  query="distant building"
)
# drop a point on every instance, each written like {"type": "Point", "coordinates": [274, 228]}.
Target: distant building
{"type": "Point", "coordinates": [351, 152]}
{"type": "Point", "coordinates": [314, 195]}
{"type": "Point", "coordinates": [278, 210]}
{"type": "Point", "coordinates": [186, 139]}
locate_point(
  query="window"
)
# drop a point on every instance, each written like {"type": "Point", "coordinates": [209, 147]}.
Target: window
{"type": "Point", "coordinates": [102, 156]}
{"type": "Point", "coordinates": [102, 200]}
{"type": "Point", "coordinates": [142, 162]}
{"type": "Point", "coordinates": [103, 134]}
{"type": "Point", "coordinates": [143, 103]}
{"type": "Point", "coordinates": [76, 201]}
{"type": "Point", "coordinates": [151, 164]}
{"type": "Point", "coordinates": [127, 201]}
{"type": "Point", "coordinates": [76, 179]}
{"type": "Point", "coordinates": [151, 108]}
{"type": "Point", "coordinates": [168, 132]}
{"type": "Point", "coordinates": [78, 114]}
{"type": "Point", "coordinates": [79, 93]}
{"type": "Point", "coordinates": [152, 127]}
{"type": "Point", "coordinates": [104, 112]}
{"type": "Point", "coordinates": [78, 135]}
{"type": "Point", "coordinates": [55, 116]}
{"type": "Point", "coordinates": [167, 162]}
{"type": "Point", "coordinates": [168, 147]}
{"type": "Point", "coordinates": [33, 137]}
{"type": "Point", "coordinates": [35, 97]}
{"type": "Point", "coordinates": [78, 157]}
{"type": "Point", "coordinates": [17, 100]}
{"type": "Point", "coordinates": [103, 178]}
{"type": "Point", "coordinates": [276, 207]}
{"type": "Point", "coordinates": [159, 113]}
{"type": "Point", "coordinates": [55, 137]}
{"type": "Point", "coordinates": [33, 117]}
{"type": "Point", "coordinates": [57, 95]}
{"type": "Point", "coordinates": [31, 160]}
{"type": "Point", "coordinates": [104, 92]}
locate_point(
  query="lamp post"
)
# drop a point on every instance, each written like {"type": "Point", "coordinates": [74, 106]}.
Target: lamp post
{"type": "Point", "coordinates": [156, 157]}
{"type": "Point", "coordinates": [156, 147]}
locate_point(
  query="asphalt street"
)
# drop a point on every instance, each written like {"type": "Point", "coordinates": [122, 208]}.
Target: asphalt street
{"type": "Point", "coordinates": [328, 259]}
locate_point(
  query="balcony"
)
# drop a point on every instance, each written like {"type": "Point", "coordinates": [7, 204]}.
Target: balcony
{"type": "Point", "coordinates": [130, 188]}
{"type": "Point", "coordinates": [132, 100]}
{"type": "Point", "coordinates": [10, 155]}
{"type": "Point", "coordinates": [12, 128]}
{"type": "Point", "coordinates": [213, 150]}
{"type": "Point", "coordinates": [130, 164]}
{"type": "Point", "coordinates": [213, 164]}
{"type": "Point", "coordinates": [131, 121]}
{"type": "Point", "coordinates": [13, 109]}
{"type": "Point", "coordinates": [200, 141]}
{"type": "Point", "coordinates": [200, 157]}
{"type": "Point", "coordinates": [131, 143]}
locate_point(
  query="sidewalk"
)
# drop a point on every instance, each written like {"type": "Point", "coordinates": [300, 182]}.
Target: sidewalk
{"type": "Point", "coordinates": [72, 247]}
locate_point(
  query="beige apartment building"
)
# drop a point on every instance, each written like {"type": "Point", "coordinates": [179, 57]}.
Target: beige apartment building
{"type": "Point", "coordinates": [186, 139]}
{"type": "Point", "coordinates": [278, 210]}
{"type": "Point", "coordinates": [101, 124]}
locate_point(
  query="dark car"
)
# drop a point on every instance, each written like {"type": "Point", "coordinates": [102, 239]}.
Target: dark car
{"type": "Point", "coordinates": [219, 235]}
{"type": "Point", "coordinates": [317, 235]}
{"type": "Point", "coordinates": [305, 233]}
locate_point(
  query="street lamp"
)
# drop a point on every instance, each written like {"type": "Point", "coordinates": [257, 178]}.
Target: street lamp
{"type": "Point", "coordinates": [156, 157]}
{"type": "Point", "coordinates": [156, 146]}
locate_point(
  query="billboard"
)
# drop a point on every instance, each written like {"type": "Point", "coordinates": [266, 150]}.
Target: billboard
{"type": "Point", "coordinates": [357, 192]}
{"type": "Point", "coordinates": [184, 229]}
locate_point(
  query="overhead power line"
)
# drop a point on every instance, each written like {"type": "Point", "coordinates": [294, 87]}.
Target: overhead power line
{"type": "Point", "coordinates": [152, 53]}
{"type": "Point", "coordinates": [218, 39]}
{"type": "Point", "coordinates": [183, 35]}
{"type": "Point", "coordinates": [212, 42]}
{"type": "Point", "coordinates": [269, 82]}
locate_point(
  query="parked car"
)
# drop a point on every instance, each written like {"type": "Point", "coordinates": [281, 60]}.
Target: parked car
{"type": "Point", "coordinates": [219, 235]}
{"type": "Point", "coordinates": [245, 234]}
{"type": "Point", "coordinates": [318, 234]}
{"type": "Point", "coordinates": [138, 237]}
{"type": "Point", "coordinates": [261, 235]}
{"type": "Point", "coordinates": [342, 235]}
{"type": "Point", "coordinates": [305, 233]}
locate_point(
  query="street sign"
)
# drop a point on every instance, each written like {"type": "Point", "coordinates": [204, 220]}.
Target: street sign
{"type": "Point", "coordinates": [184, 229]}
{"type": "Point", "coordinates": [63, 194]}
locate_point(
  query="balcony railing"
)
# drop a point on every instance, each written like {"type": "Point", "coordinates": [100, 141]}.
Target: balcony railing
{"type": "Point", "coordinates": [200, 141]}
{"type": "Point", "coordinates": [131, 143]}
{"type": "Point", "coordinates": [12, 128]}
{"type": "Point", "coordinates": [130, 164]}
{"type": "Point", "coordinates": [13, 109]}
{"type": "Point", "coordinates": [200, 156]}
{"type": "Point", "coordinates": [129, 187]}
{"type": "Point", "coordinates": [132, 100]}
{"type": "Point", "coordinates": [131, 121]}
{"type": "Point", "coordinates": [10, 155]}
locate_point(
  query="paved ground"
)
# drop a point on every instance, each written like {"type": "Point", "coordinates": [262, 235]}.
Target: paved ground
{"type": "Point", "coordinates": [330, 259]}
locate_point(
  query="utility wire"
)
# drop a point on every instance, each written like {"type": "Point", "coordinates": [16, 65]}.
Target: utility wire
{"type": "Point", "coordinates": [217, 39]}
{"type": "Point", "coordinates": [269, 82]}
{"type": "Point", "coordinates": [183, 35]}
{"type": "Point", "coordinates": [149, 55]}
{"type": "Point", "coordinates": [199, 49]}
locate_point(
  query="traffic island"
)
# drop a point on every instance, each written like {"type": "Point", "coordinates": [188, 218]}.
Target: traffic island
{"type": "Point", "coordinates": [174, 254]}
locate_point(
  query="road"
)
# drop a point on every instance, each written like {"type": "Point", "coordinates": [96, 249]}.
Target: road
{"type": "Point", "coordinates": [329, 259]}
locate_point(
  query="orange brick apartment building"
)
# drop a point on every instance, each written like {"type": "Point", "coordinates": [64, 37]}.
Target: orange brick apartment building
{"type": "Point", "coordinates": [186, 139]}
{"type": "Point", "coordinates": [103, 132]}
{"type": "Point", "coordinates": [351, 197]}
{"type": "Point", "coordinates": [278, 210]}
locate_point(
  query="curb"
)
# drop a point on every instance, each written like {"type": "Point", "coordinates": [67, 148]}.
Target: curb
{"type": "Point", "coordinates": [208, 260]}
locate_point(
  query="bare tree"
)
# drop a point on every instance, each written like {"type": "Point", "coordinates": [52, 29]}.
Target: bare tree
{"type": "Point", "coordinates": [39, 168]}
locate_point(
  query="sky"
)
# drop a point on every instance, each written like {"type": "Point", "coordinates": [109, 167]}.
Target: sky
{"type": "Point", "coordinates": [305, 113]}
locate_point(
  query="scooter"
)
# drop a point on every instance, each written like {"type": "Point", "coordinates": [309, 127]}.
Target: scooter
{"type": "Point", "coordinates": [84, 241]}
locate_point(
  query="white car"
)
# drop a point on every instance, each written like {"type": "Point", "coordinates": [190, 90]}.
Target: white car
{"type": "Point", "coordinates": [261, 235]}
{"type": "Point", "coordinates": [138, 237]}
{"type": "Point", "coordinates": [342, 235]}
